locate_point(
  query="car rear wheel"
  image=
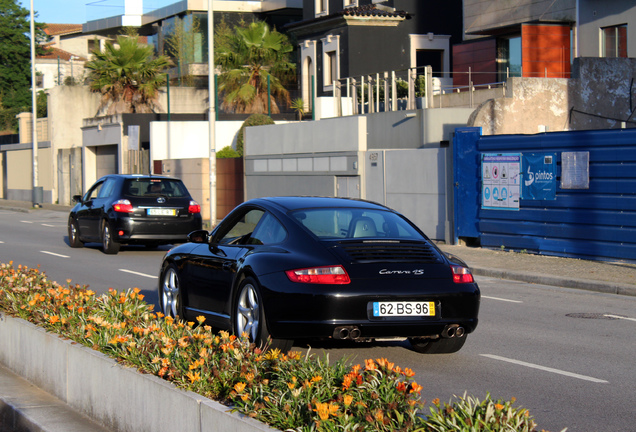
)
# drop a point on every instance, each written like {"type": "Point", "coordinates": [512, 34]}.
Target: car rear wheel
{"type": "Point", "coordinates": [109, 245]}
{"type": "Point", "coordinates": [249, 318]}
{"type": "Point", "coordinates": [73, 234]}
{"type": "Point", "coordinates": [438, 346]}
{"type": "Point", "coordinates": [170, 293]}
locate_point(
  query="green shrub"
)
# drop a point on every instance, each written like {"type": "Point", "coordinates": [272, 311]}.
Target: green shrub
{"type": "Point", "coordinates": [253, 120]}
{"type": "Point", "coordinates": [227, 152]}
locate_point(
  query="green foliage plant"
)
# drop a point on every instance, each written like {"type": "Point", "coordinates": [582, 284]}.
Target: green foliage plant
{"type": "Point", "coordinates": [298, 105]}
{"type": "Point", "coordinates": [469, 414]}
{"type": "Point", "coordinates": [248, 57]}
{"type": "Point", "coordinates": [227, 152]}
{"type": "Point", "coordinates": [127, 75]}
{"type": "Point", "coordinates": [253, 120]}
{"type": "Point", "coordinates": [15, 61]}
{"type": "Point", "coordinates": [288, 391]}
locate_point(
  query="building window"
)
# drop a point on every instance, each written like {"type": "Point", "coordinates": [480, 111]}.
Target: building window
{"type": "Point", "coordinates": [330, 61]}
{"type": "Point", "coordinates": [508, 57]}
{"type": "Point", "coordinates": [321, 7]}
{"type": "Point", "coordinates": [614, 41]}
{"type": "Point", "coordinates": [349, 3]}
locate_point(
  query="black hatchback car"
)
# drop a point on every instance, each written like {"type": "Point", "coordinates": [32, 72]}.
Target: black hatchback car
{"type": "Point", "coordinates": [133, 209]}
{"type": "Point", "coordinates": [290, 268]}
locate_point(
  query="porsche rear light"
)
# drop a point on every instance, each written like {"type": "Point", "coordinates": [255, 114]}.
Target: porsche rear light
{"type": "Point", "coordinates": [123, 206]}
{"type": "Point", "coordinates": [194, 207]}
{"type": "Point", "coordinates": [462, 274]}
{"type": "Point", "coordinates": [336, 275]}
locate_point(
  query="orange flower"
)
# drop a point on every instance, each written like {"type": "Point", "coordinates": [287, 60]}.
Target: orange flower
{"type": "Point", "coordinates": [53, 319]}
{"type": "Point", "coordinates": [379, 415]}
{"type": "Point", "coordinates": [415, 387]}
{"type": "Point", "coordinates": [436, 401]}
{"type": "Point", "coordinates": [193, 376]}
{"type": "Point", "coordinates": [408, 373]}
{"type": "Point", "coordinates": [369, 365]}
{"type": "Point", "coordinates": [239, 387]}
{"type": "Point", "coordinates": [499, 407]}
{"type": "Point", "coordinates": [347, 400]}
{"type": "Point", "coordinates": [200, 319]}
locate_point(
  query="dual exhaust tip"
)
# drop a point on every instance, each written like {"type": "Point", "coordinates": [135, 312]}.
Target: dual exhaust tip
{"type": "Point", "coordinates": [354, 333]}
{"type": "Point", "coordinates": [453, 330]}
{"type": "Point", "coordinates": [347, 332]}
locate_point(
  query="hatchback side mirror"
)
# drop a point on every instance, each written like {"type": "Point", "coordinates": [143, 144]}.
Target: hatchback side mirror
{"type": "Point", "coordinates": [199, 236]}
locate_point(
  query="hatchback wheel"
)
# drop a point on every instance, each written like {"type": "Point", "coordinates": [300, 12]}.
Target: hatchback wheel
{"type": "Point", "coordinates": [73, 234]}
{"type": "Point", "coordinates": [249, 318]}
{"type": "Point", "coordinates": [438, 346]}
{"type": "Point", "coordinates": [109, 245]}
{"type": "Point", "coordinates": [170, 293]}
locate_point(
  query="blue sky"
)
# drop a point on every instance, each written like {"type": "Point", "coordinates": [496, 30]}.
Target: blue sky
{"type": "Point", "coordinates": [80, 11]}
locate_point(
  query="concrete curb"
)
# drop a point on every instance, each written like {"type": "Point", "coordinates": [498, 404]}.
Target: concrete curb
{"type": "Point", "coordinates": [539, 279]}
{"type": "Point", "coordinates": [117, 397]}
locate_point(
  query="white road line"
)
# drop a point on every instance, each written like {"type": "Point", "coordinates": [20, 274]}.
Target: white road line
{"type": "Point", "coordinates": [501, 299]}
{"type": "Point", "coordinates": [138, 274]}
{"type": "Point", "coordinates": [47, 225]}
{"type": "Point", "coordinates": [54, 254]}
{"type": "Point", "coordinates": [620, 317]}
{"type": "Point", "coordinates": [27, 222]}
{"type": "Point", "coordinates": [543, 368]}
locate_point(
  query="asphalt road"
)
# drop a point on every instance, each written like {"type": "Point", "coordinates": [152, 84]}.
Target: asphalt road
{"type": "Point", "coordinates": [567, 355]}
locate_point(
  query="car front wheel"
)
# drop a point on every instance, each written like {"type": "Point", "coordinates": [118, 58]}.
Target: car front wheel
{"type": "Point", "coordinates": [249, 318]}
{"type": "Point", "coordinates": [73, 234]}
{"type": "Point", "coordinates": [170, 293]}
{"type": "Point", "coordinates": [438, 346]}
{"type": "Point", "coordinates": [109, 245]}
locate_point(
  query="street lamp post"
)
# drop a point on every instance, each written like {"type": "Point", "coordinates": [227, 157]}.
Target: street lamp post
{"type": "Point", "coordinates": [212, 113]}
{"type": "Point", "coordinates": [35, 199]}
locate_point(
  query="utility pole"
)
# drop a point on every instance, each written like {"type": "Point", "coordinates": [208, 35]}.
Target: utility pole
{"type": "Point", "coordinates": [212, 113]}
{"type": "Point", "coordinates": [35, 199]}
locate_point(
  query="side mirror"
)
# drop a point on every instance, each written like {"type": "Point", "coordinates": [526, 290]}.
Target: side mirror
{"type": "Point", "coordinates": [77, 198]}
{"type": "Point", "coordinates": [199, 236]}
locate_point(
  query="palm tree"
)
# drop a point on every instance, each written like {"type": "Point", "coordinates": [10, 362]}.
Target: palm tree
{"type": "Point", "coordinates": [247, 57]}
{"type": "Point", "coordinates": [127, 75]}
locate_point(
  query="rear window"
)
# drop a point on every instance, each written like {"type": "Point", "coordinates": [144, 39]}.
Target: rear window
{"type": "Point", "coordinates": [344, 223]}
{"type": "Point", "coordinates": [155, 187]}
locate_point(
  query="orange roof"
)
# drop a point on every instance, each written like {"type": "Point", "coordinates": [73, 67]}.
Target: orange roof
{"type": "Point", "coordinates": [53, 53]}
{"type": "Point", "coordinates": [62, 29]}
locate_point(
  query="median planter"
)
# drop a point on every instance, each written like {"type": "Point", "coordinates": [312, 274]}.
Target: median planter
{"type": "Point", "coordinates": [119, 397]}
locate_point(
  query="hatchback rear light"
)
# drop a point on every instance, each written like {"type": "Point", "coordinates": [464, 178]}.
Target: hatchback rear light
{"type": "Point", "coordinates": [194, 207]}
{"type": "Point", "coordinates": [336, 275]}
{"type": "Point", "coordinates": [123, 206]}
{"type": "Point", "coordinates": [462, 274]}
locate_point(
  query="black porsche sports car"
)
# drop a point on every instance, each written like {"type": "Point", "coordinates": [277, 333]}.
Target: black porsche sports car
{"type": "Point", "coordinates": [290, 268]}
{"type": "Point", "coordinates": [133, 209]}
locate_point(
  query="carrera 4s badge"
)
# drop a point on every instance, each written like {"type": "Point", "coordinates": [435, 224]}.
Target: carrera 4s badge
{"type": "Point", "coordinates": [417, 272]}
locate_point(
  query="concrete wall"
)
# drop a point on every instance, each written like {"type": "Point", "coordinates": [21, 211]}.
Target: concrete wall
{"type": "Point", "coordinates": [120, 398]}
{"type": "Point", "coordinates": [19, 165]}
{"type": "Point", "coordinates": [190, 139]}
{"type": "Point", "coordinates": [536, 105]}
{"type": "Point", "coordinates": [195, 174]}
{"type": "Point", "coordinates": [480, 15]}
{"type": "Point", "coordinates": [596, 14]}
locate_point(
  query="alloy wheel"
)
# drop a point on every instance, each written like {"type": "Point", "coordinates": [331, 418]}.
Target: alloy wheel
{"type": "Point", "coordinates": [248, 312]}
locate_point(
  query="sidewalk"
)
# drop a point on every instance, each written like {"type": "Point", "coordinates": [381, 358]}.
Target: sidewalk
{"type": "Point", "coordinates": [601, 276]}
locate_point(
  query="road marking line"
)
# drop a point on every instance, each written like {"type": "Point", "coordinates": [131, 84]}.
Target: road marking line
{"type": "Point", "coordinates": [27, 222]}
{"type": "Point", "coordinates": [501, 299]}
{"type": "Point", "coordinates": [138, 274]}
{"type": "Point", "coordinates": [47, 225]}
{"type": "Point", "coordinates": [543, 368]}
{"type": "Point", "coordinates": [54, 254]}
{"type": "Point", "coordinates": [620, 317]}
